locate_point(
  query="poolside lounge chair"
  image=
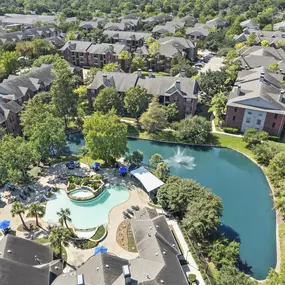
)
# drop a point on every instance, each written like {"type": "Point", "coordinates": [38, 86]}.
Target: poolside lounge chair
{"type": "Point", "coordinates": [130, 212]}
{"type": "Point", "coordinates": [126, 215]}
{"type": "Point", "coordinates": [22, 197]}
{"type": "Point", "coordinates": [135, 208]}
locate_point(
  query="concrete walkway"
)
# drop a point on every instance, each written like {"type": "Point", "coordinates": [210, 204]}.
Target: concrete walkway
{"type": "Point", "coordinates": [192, 266]}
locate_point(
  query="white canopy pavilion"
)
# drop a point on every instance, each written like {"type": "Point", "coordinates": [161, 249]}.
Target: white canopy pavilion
{"type": "Point", "coordinates": [149, 181]}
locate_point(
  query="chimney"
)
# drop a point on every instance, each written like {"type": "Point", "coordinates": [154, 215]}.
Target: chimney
{"type": "Point", "coordinates": [262, 74]}
{"type": "Point", "coordinates": [116, 68]}
{"type": "Point", "coordinates": [145, 44]}
{"type": "Point", "coordinates": [127, 274]}
{"type": "Point", "coordinates": [238, 90]}
{"type": "Point", "coordinates": [139, 73]}
{"type": "Point", "coordinates": [280, 70]}
{"type": "Point", "coordinates": [281, 96]}
{"type": "Point", "coordinates": [150, 73]}
{"type": "Point", "coordinates": [182, 72]}
{"type": "Point", "coordinates": [111, 47]}
{"type": "Point", "coordinates": [177, 84]}
{"type": "Point", "coordinates": [98, 41]}
{"type": "Point", "coordinates": [105, 78]}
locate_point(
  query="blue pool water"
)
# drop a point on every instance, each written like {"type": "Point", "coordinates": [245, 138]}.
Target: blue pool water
{"type": "Point", "coordinates": [247, 214]}
{"type": "Point", "coordinates": [87, 214]}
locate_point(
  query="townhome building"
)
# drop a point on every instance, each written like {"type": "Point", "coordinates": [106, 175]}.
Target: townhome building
{"type": "Point", "coordinates": [198, 32]}
{"type": "Point", "coordinates": [179, 90]}
{"type": "Point", "coordinates": [15, 90]}
{"type": "Point", "coordinates": [23, 261]}
{"type": "Point", "coordinates": [170, 47]}
{"type": "Point", "coordinates": [257, 101]}
{"type": "Point", "coordinates": [82, 53]}
{"type": "Point", "coordinates": [157, 263]}
{"type": "Point", "coordinates": [131, 39]}
{"type": "Point", "coordinates": [47, 32]}
{"type": "Point", "coordinates": [256, 56]}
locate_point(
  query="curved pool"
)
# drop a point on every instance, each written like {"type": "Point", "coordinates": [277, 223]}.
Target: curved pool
{"type": "Point", "coordinates": [87, 214]}
{"type": "Point", "coordinates": [248, 214]}
{"type": "Point", "coordinates": [81, 193]}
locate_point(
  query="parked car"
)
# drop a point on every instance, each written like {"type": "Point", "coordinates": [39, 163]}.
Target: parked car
{"type": "Point", "coordinates": [72, 164]}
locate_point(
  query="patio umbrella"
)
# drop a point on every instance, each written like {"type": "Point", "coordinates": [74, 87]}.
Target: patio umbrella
{"type": "Point", "coordinates": [4, 224]}
{"type": "Point", "coordinates": [95, 164]}
{"type": "Point", "coordinates": [122, 170]}
{"type": "Point", "coordinates": [100, 249]}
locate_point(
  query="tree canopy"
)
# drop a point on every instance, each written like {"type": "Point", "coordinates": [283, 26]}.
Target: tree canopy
{"type": "Point", "coordinates": [105, 136]}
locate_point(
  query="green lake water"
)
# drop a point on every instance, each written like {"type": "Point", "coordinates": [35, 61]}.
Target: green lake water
{"type": "Point", "coordinates": [247, 215]}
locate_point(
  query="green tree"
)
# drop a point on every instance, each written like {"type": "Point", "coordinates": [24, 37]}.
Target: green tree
{"type": "Point", "coordinates": [105, 136]}
{"type": "Point", "coordinates": [110, 67]}
{"type": "Point", "coordinates": [235, 29]}
{"type": "Point", "coordinates": [136, 101]}
{"type": "Point", "coordinates": [63, 97]}
{"type": "Point", "coordinates": [59, 237]}
{"type": "Point", "coordinates": [265, 151]}
{"type": "Point", "coordinates": [150, 40]}
{"type": "Point", "coordinates": [44, 130]}
{"type": "Point", "coordinates": [64, 216]}
{"type": "Point", "coordinates": [162, 171]}
{"type": "Point", "coordinates": [155, 159]}
{"type": "Point", "coordinates": [268, 27]}
{"type": "Point", "coordinates": [212, 82]}
{"type": "Point", "coordinates": [224, 253]}
{"type": "Point", "coordinates": [108, 99]}
{"type": "Point", "coordinates": [149, 8]}
{"type": "Point", "coordinates": [71, 36]}
{"type": "Point", "coordinates": [9, 61]}
{"type": "Point", "coordinates": [253, 136]}
{"type": "Point", "coordinates": [202, 217]}
{"type": "Point", "coordinates": [154, 118]}
{"type": "Point", "coordinates": [195, 130]}
{"type": "Point", "coordinates": [46, 59]}
{"type": "Point", "coordinates": [218, 104]}
{"type": "Point", "coordinates": [264, 43]}
{"type": "Point", "coordinates": [274, 66]}
{"type": "Point", "coordinates": [18, 208]}
{"type": "Point", "coordinates": [125, 55]}
{"type": "Point", "coordinates": [154, 48]}
{"type": "Point", "coordinates": [171, 112]}
{"type": "Point", "coordinates": [251, 39]}
{"type": "Point", "coordinates": [232, 276]}
{"type": "Point", "coordinates": [16, 155]}
{"type": "Point", "coordinates": [276, 169]}
{"type": "Point", "coordinates": [36, 210]}
{"type": "Point", "coordinates": [137, 62]}
{"type": "Point", "coordinates": [135, 159]}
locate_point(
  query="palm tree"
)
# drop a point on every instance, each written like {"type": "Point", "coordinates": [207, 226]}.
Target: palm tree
{"type": "Point", "coordinates": [36, 210]}
{"type": "Point", "coordinates": [58, 238]}
{"type": "Point", "coordinates": [64, 216]}
{"type": "Point", "coordinates": [18, 208]}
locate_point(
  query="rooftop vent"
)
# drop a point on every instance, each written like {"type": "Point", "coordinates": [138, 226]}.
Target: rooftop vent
{"type": "Point", "coordinates": [9, 251]}
{"type": "Point", "coordinates": [80, 279]}
{"type": "Point", "coordinates": [97, 268]}
{"type": "Point", "coordinates": [107, 266]}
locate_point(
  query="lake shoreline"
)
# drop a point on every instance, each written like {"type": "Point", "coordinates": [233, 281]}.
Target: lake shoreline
{"type": "Point", "coordinates": [278, 249]}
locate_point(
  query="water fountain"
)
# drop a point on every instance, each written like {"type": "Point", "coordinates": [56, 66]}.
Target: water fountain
{"type": "Point", "coordinates": [179, 159]}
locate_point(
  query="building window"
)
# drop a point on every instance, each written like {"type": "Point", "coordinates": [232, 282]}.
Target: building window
{"type": "Point", "coordinates": [275, 116]}
{"type": "Point", "coordinates": [260, 114]}
{"type": "Point", "coordinates": [248, 120]}
{"type": "Point", "coordinates": [249, 113]}
{"type": "Point", "coordinates": [258, 122]}
{"type": "Point", "coordinates": [273, 125]}
{"type": "Point", "coordinates": [235, 109]}
{"type": "Point", "coordinates": [234, 118]}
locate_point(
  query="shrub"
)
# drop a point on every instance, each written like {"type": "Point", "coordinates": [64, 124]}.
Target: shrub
{"type": "Point", "coordinates": [192, 278]}
{"type": "Point", "coordinates": [71, 186]}
{"type": "Point", "coordinates": [231, 130]}
{"type": "Point", "coordinates": [85, 244]}
{"type": "Point", "coordinates": [254, 137]}
{"type": "Point", "coordinates": [274, 138]}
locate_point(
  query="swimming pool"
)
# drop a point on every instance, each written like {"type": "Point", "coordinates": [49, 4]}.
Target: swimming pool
{"type": "Point", "coordinates": [87, 214]}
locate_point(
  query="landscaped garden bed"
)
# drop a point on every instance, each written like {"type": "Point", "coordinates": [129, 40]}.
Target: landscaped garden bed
{"type": "Point", "coordinates": [125, 237]}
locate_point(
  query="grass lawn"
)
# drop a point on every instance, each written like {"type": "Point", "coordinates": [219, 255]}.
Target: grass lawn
{"type": "Point", "coordinates": [233, 142]}
{"type": "Point", "coordinates": [42, 240]}
{"type": "Point", "coordinates": [89, 160]}
{"type": "Point", "coordinates": [99, 233]}
{"type": "Point", "coordinates": [128, 119]}
{"type": "Point", "coordinates": [213, 269]}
